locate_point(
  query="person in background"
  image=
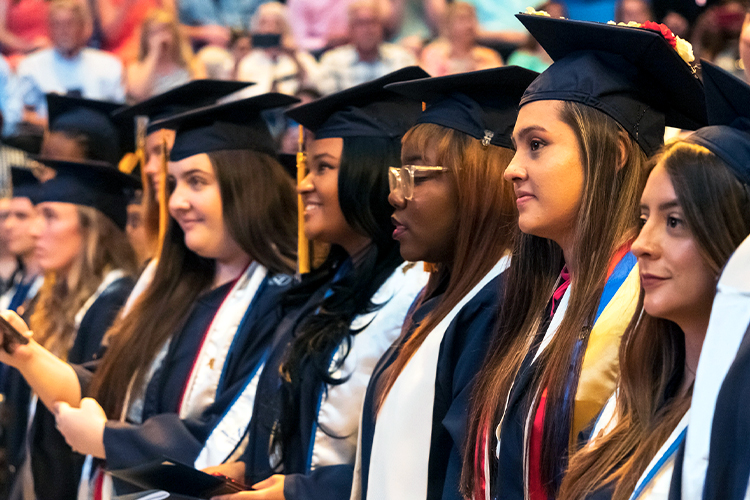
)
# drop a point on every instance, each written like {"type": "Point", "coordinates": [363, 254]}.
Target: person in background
{"type": "Point", "coordinates": [9, 267]}
{"type": "Point", "coordinates": [497, 24]}
{"type": "Point", "coordinates": [120, 22]}
{"type": "Point", "coordinates": [23, 28]}
{"type": "Point", "coordinates": [531, 55]}
{"type": "Point", "coordinates": [366, 57]}
{"type": "Point", "coordinates": [165, 59]}
{"type": "Point", "coordinates": [10, 109]}
{"type": "Point", "coordinates": [274, 63]}
{"type": "Point", "coordinates": [412, 22]}
{"type": "Point", "coordinates": [716, 35]}
{"type": "Point", "coordinates": [68, 67]}
{"type": "Point", "coordinates": [89, 270]}
{"type": "Point", "coordinates": [21, 298]}
{"type": "Point", "coordinates": [17, 227]}
{"type": "Point", "coordinates": [638, 11]}
{"type": "Point", "coordinates": [210, 22]}
{"type": "Point", "coordinates": [457, 50]}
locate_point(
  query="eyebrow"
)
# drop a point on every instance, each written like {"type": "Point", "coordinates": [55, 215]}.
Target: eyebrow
{"type": "Point", "coordinates": [663, 207]}
{"type": "Point", "coordinates": [409, 159]}
{"type": "Point", "coordinates": [321, 155]}
{"type": "Point", "coordinates": [526, 131]}
{"type": "Point", "coordinates": [194, 171]}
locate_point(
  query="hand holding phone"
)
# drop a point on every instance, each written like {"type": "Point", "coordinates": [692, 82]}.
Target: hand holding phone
{"type": "Point", "coordinates": [11, 336]}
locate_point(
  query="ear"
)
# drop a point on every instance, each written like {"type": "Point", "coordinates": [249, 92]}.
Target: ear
{"type": "Point", "coordinates": [623, 143]}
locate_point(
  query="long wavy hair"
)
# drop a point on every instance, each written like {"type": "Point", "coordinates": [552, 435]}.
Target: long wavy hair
{"type": "Point", "coordinates": [181, 53]}
{"type": "Point", "coordinates": [363, 198]}
{"type": "Point", "coordinates": [105, 248]}
{"type": "Point", "coordinates": [606, 221]}
{"type": "Point", "coordinates": [652, 352]}
{"type": "Point", "coordinates": [258, 204]}
{"type": "Point", "coordinates": [484, 231]}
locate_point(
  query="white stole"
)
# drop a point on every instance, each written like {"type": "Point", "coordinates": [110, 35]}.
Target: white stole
{"type": "Point", "coordinates": [401, 442]}
{"type": "Point", "coordinates": [209, 363]}
{"type": "Point", "coordinates": [730, 317]}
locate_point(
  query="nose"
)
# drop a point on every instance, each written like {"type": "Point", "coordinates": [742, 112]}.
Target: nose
{"type": "Point", "coordinates": [396, 199]}
{"type": "Point", "coordinates": [36, 225]}
{"type": "Point", "coordinates": [646, 245]}
{"type": "Point", "coordinates": [515, 171]}
{"type": "Point", "coordinates": [305, 185]}
{"type": "Point", "coordinates": [178, 201]}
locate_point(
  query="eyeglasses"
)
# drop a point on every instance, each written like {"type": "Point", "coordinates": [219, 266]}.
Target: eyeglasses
{"type": "Point", "coordinates": [401, 179]}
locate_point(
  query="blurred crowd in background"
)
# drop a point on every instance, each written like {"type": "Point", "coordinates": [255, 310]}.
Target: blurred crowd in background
{"type": "Point", "coordinates": [128, 50]}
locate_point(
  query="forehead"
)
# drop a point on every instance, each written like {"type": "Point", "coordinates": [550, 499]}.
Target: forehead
{"type": "Point", "coordinates": [539, 113]}
{"type": "Point", "coordinates": [196, 162]}
{"type": "Point", "coordinates": [659, 187]}
{"type": "Point", "coordinates": [332, 146]}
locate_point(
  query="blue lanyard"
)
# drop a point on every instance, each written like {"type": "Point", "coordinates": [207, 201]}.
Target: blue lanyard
{"type": "Point", "coordinates": [656, 468]}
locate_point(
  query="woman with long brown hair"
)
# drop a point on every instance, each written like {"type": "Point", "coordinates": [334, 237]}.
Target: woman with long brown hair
{"type": "Point", "coordinates": [177, 379]}
{"type": "Point", "coordinates": [88, 273]}
{"type": "Point", "coordinates": [453, 210]}
{"type": "Point", "coordinates": [584, 130]}
{"type": "Point", "coordinates": [695, 211]}
{"type": "Point", "coordinates": [345, 313]}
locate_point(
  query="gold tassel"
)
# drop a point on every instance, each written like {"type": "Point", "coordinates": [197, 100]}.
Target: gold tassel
{"type": "Point", "coordinates": [303, 245]}
{"type": "Point", "coordinates": [163, 208]}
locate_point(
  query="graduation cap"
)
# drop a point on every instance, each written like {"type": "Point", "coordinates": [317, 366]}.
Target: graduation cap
{"type": "Point", "coordinates": [180, 99]}
{"type": "Point", "coordinates": [109, 139]}
{"type": "Point", "coordinates": [482, 104]}
{"type": "Point", "coordinates": [229, 126]}
{"type": "Point", "coordinates": [728, 108]}
{"type": "Point", "coordinates": [25, 183]}
{"type": "Point", "coordinates": [631, 74]}
{"type": "Point", "coordinates": [92, 184]}
{"type": "Point", "coordinates": [366, 110]}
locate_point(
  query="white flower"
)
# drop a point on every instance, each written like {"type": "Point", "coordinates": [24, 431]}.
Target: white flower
{"type": "Point", "coordinates": [684, 49]}
{"type": "Point", "coordinates": [533, 11]}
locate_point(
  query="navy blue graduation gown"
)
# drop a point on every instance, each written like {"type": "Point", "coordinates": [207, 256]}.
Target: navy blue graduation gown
{"type": "Point", "coordinates": [162, 432]}
{"type": "Point", "coordinates": [55, 467]}
{"type": "Point", "coordinates": [510, 473]}
{"type": "Point", "coordinates": [462, 351]}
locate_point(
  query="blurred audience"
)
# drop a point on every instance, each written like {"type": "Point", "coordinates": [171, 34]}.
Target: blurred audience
{"type": "Point", "coordinates": [638, 11]}
{"type": "Point", "coordinates": [716, 35]}
{"type": "Point", "coordinates": [415, 21]}
{"type": "Point", "coordinates": [274, 63]}
{"type": "Point", "coordinates": [9, 265]}
{"type": "Point", "coordinates": [367, 56]}
{"type": "Point", "coordinates": [211, 21]}
{"type": "Point", "coordinates": [497, 21]}
{"type": "Point", "coordinates": [531, 55]}
{"type": "Point", "coordinates": [10, 110]}
{"type": "Point", "coordinates": [744, 46]}
{"type": "Point", "coordinates": [457, 50]}
{"type": "Point", "coordinates": [68, 67]}
{"type": "Point", "coordinates": [120, 22]}
{"type": "Point", "coordinates": [23, 27]}
{"type": "Point", "coordinates": [165, 59]}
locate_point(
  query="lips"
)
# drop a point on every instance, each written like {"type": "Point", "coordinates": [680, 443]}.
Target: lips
{"type": "Point", "coordinates": [399, 230]}
{"type": "Point", "coordinates": [523, 197]}
{"type": "Point", "coordinates": [651, 280]}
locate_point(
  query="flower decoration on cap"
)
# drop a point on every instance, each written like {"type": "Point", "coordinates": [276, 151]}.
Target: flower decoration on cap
{"type": "Point", "coordinates": [534, 12]}
{"type": "Point", "coordinates": [682, 47]}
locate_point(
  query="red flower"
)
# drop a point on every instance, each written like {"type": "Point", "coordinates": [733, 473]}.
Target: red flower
{"type": "Point", "coordinates": [665, 32]}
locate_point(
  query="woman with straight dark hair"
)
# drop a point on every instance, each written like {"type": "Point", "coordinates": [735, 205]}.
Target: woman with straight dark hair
{"type": "Point", "coordinates": [695, 211]}
{"type": "Point", "coordinates": [584, 130]}
{"type": "Point", "coordinates": [453, 210]}
{"type": "Point", "coordinates": [305, 425]}
{"type": "Point", "coordinates": [178, 378]}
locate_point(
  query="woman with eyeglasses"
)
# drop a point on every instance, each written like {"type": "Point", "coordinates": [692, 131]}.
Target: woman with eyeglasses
{"type": "Point", "coordinates": [303, 434]}
{"type": "Point", "coordinates": [453, 210]}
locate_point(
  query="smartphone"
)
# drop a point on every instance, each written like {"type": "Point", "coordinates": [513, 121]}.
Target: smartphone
{"type": "Point", "coordinates": [265, 41]}
{"type": "Point", "coordinates": [11, 336]}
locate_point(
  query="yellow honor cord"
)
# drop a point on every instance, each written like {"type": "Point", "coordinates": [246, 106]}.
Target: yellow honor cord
{"type": "Point", "coordinates": [303, 245]}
